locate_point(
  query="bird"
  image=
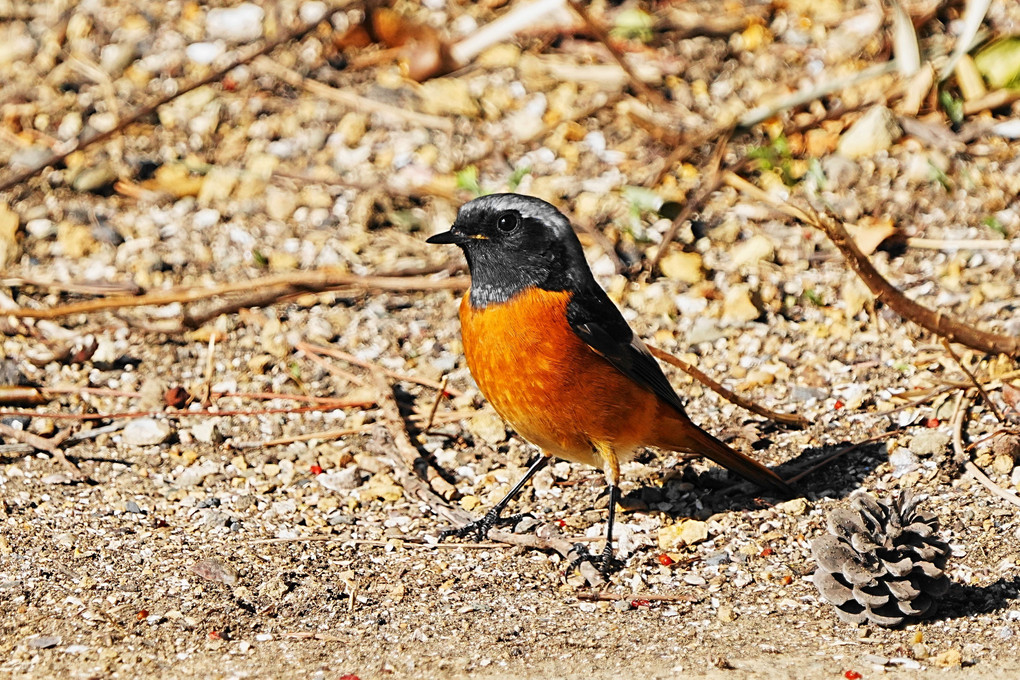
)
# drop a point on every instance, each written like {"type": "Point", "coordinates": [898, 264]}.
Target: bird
{"type": "Point", "coordinates": [556, 359]}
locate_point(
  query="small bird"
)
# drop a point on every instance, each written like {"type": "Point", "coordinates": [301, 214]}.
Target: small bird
{"type": "Point", "coordinates": [557, 360]}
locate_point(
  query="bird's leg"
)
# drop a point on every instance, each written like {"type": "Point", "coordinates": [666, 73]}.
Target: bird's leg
{"type": "Point", "coordinates": [480, 528]}
{"type": "Point", "coordinates": [604, 562]}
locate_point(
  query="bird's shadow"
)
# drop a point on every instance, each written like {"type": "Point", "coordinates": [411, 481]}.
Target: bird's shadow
{"type": "Point", "coordinates": [716, 490]}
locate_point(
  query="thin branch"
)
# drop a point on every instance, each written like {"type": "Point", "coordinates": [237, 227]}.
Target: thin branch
{"type": "Point", "coordinates": [603, 37]}
{"type": "Point", "coordinates": [51, 446]}
{"type": "Point", "coordinates": [975, 381]}
{"type": "Point", "coordinates": [791, 419]}
{"type": "Point", "coordinates": [962, 406]}
{"type": "Point", "coordinates": [828, 460]}
{"type": "Point", "coordinates": [328, 406]}
{"type": "Point", "coordinates": [317, 281]}
{"type": "Point", "coordinates": [712, 180]}
{"type": "Point", "coordinates": [606, 596]}
{"type": "Point", "coordinates": [351, 100]}
{"type": "Point", "coordinates": [935, 322]}
{"type": "Point", "coordinates": [396, 375]}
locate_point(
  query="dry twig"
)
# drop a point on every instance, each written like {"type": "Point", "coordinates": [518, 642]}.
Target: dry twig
{"type": "Point", "coordinates": [315, 281]}
{"type": "Point", "coordinates": [791, 419]}
{"type": "Point", "coordinates": [935, 322]}
{"type": "Point", "coordinates": [962, 406]}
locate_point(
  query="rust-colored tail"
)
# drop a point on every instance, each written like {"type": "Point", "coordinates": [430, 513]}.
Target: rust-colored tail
{"type": "Point", "coordinates": [680, 434]}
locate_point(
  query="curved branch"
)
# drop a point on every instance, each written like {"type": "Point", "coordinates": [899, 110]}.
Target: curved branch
{"type": "Point", "coordinates": [935, 322]}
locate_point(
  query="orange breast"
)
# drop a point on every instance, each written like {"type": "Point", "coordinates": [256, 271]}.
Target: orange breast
{"type": "Point", "coordinates": [548, 384]}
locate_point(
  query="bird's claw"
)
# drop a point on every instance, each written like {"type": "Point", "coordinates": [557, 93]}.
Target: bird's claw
{"type": "Point", "coordinates": [605, 562]}
{"type": "Point", "coordinates": [480, 527]}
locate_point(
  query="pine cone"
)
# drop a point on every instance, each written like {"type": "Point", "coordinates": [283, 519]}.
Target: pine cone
{"type": "Point", "coordinates": [881, 562]}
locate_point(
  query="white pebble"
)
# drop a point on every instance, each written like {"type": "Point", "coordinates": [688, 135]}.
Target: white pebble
{"type": "Point", "coordinates": [235, 24]}
{"type": "Point", "coordinates": [204, 52]}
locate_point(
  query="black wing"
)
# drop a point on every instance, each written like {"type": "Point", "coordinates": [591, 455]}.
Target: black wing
{"type": "Point", "coordinates": [597, 321]}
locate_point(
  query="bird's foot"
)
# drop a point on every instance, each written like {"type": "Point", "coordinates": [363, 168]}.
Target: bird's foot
{"type": "Point", "coordinates": [480, 528]}
{"type": "Point", "coordinates": [605, 562]}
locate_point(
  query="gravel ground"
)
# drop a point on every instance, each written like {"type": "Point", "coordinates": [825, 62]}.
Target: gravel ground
{"type": "Point", "coordinates": [196, 544]}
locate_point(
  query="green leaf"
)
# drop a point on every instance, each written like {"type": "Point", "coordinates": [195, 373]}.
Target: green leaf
{"type": "Point", "coordinates": [517, 176]}
{"type": "Point", "coordinates": [999, 63]}
{"type": "Point", "coordinates": [995, 225]}
{"type": "Point", "coordinates": [633, 24]}
{"type": "Point", "coordinates": [260, 259]}
{"type": "Point", "coordinates": [642, 200]}
{"type": "Point", "coordinates": [952, 106]}
{"type": "Point", "coordinates": [467, 179]}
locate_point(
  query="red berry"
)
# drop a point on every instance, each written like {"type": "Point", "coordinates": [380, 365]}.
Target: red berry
{"type": "Point", "coordinates": [665, 560]}
{"type": "Point", "coordinates": [639, 603]}
{"type": "Point", "coordinates": [931, 422]}
{"type": "Point", "coordinates": [349, 676]}
{"type": "Point", "coordinates": [316, 469]}
{"type": "Point", "coordinates": [142, 614]}
{"type": "Point", "coordinates": [561, 523]}
{"type": "Point", "coordinates": [215, 635]}
{"type": "Point", "coordinates": [852, 675]}
{"type": "Point", "coordinates": [766, 552]}
{"type": "Point", "coordinates": [839, 403]}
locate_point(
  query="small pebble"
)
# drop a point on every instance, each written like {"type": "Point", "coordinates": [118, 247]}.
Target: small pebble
{"type": "Point", "coordinates": [239, 24]}
{"type": "Point", "coordinates": [145, 432]}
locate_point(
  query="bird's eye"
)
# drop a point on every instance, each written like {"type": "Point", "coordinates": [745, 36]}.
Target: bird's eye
{"type": "Point", "coordinates": [508, 221]}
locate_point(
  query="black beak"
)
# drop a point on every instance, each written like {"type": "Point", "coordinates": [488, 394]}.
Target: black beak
{"type": "Point", "coordinates": [446, 237]}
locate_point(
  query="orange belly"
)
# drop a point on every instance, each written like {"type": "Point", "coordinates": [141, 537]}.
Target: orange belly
{"type": "Point", "coordinates": [549, 385]}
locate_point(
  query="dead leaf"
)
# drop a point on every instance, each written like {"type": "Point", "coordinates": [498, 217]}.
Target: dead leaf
{"type": "Point", "coordinates": [869, 233]}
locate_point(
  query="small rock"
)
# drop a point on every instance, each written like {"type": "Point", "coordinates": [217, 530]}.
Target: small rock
{"type": "Point", "coordinates": [875, 131]}
{"type": "Point", "coordinates": [57, 478]}
{"type": "Point", "coordinates": [193, 475]}
{"type": "Point", "coordinates": [207, 432]}
{"type": "Point", "coordinates": [488, 427]}
{"type": "Point", "coordinates": [43, 641]}
{"type": "Point", "coordinates": [929, 442]}
{"type": "Point", "coordinates": [280, 204]}
{"type": "Point", "coordinates": [949, 658]}
{"type": "Point", "coordinates": [715, 559]}
{"type": "Point", "coordinates": [795, 507]}
{"type": "Point", "coordinates": [312, 11]}
{"type": "Point", "coordinates": [215, 570]}
{"type": "Point", "coordinates": [39, 228]}
{"type": "Point", "coordinates": [738, 305]}
{"type": "Point", "coordinates": [204, 52]}
{"type": "Point", "coordinates": [94, 178]}
{"type": "Point", "coordinates": [133, 508]}
{"type": "Point", "coordinates": [686, 532]}
{"type": "Point", "coordinates": [756, 249]}
{"type": "Point", "coordinates": [802, 394]}
{"type": "Point", "coordinates": [16, 44]}
{"type": "Point", "coordinates": [1003, 464]}
{"type": "Point", "coordinates": [448, 96]}
{"type": "Point", "coordinates": [70, 126]}
{"type": "Point", "coordinates": [1007, 445]}
{"type": "Point", "coordinates": [692, 579]}
{"type": "Point", "coordinates": [9, 250]}
{"type": "Point", "coordinates": [725, 614]}
{"type": "Point", "coordinates": [145, 432]}
{"type": "Point", "coordinates": [235, 24]}
{"type": "Point", "coordinates": [902, 461]}
{"type": "Point", "coordinates": [115, 57]}
{"type": "Point", "coordinates": [352, 128]}
{"type": "Point", "coordinates": [705, 329]}
{"type": "Point", "coordinates": [683, 267]}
